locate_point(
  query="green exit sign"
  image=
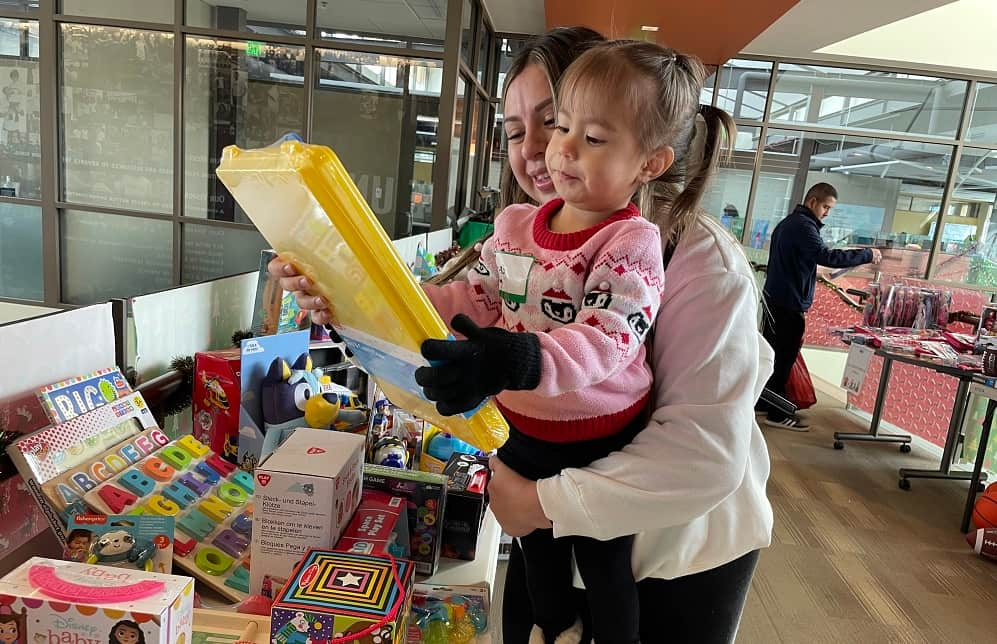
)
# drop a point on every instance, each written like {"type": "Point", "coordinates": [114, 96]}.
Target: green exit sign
{"type": "Point", "coordinates": [254, 48]}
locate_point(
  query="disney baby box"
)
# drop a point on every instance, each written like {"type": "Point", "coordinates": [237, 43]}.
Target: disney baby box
{"type": "Point", "coordinates": [303, 201]}
{"type": "Point", "coordinates": [46, 601]}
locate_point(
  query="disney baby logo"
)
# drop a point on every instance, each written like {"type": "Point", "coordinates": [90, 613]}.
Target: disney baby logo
{"type": "Point", "coordinates": [69, 624]}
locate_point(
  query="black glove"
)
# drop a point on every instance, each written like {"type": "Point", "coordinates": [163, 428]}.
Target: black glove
{"type": "Point", "coordinates": [490, 360]}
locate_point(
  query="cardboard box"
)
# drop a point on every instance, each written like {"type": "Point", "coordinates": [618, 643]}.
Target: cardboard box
{"type": "Point", "coordinates": [305, 494]}
{"type": "Point", "coordinates": [46, 454]}
{"type": "Point", "coordinates": [425, 496]}
{"type": "Point", "coordinates": [467, 484]}
{"type": "Point", "coordinates": [216, 401]}
{"type": "Point", "coordinates": [163, 616]}
{"type": "Point", "coordinates": [379, 526]}
{"type": "Point", "coordinates": [335, 595]}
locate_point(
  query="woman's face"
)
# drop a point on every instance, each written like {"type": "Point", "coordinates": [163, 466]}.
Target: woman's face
{"type": "Point", "coordinates": [125, 634]}
{"type": "Point", "coordinates": [528, 116]}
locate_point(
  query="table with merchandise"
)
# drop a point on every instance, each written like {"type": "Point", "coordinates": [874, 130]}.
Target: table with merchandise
{"type": "Point", "coordinates": [937, 351]}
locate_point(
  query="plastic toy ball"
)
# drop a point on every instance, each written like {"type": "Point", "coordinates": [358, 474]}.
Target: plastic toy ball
{"type": "Point", "coordinates": [462, 632]}
{"type": "Point", "coordinates": [435, 633]}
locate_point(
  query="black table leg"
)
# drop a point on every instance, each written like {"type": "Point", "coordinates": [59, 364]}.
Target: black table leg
{"type": "Point", "coordinates": [873, 435]}
{"type": "Point", "coordinates": [981, 454]}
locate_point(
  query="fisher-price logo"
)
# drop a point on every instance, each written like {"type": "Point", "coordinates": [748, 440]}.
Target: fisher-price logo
{"type": "Point", "coordinates": [312, 451]}
{"type": "Point", "coordinates": [264, 479]}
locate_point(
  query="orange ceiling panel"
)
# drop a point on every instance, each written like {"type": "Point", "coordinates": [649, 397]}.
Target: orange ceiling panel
{"type": "Point", "coordinates": [714, 30]}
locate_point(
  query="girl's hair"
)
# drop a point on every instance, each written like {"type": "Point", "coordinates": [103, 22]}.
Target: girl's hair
{"type": "Point", "coordinates": [659, 89]}
{"type": "Point", "coordinates": [129, 624]}
{"type": "Point", "coordinates": [553, 52]}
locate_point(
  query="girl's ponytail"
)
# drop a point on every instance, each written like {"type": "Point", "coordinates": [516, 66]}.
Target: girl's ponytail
{"type": "Point", "coordinates": [718, 128]}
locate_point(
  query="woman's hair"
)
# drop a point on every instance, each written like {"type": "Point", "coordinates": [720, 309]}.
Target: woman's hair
{"type": "Point", "coordinates": [553, 52]}
{"type": "Point", "coordinates": [659, 89]}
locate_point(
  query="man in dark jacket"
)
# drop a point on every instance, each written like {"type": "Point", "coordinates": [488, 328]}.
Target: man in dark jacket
{"type": "Point", "coordinates": [794, 254]}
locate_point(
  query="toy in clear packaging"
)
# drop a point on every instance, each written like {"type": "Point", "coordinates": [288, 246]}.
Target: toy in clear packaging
{"type": "Point", "coordinates": [259, 357]}
{"type": "Point", "coordinates": [448, 615]}
{"type": "Point", "coordinates": [442, 446]}
{"type": "Point", "coordinates": [139, 542]}
{"type": "Point", "coordinates": [391, 452]}
{"type": "Point", "coordinates": [986, 331]}
{"type": "Point", "coordinates": [303, 201]}
{"type": "Point", "coordinates": [292, 396]}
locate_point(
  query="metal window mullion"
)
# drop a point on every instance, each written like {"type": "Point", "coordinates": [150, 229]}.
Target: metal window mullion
{"type": "Point", "coordinates": [940, 220]}
{"type": "Point", "coordinates": [951, 178]}
{"type": "Point", "coordinates": [759, 152]}
{"type": "Point", "coordinates": [716, 84]}
{"type": "Point", "coordinates": [218, 223]}
{"type": "Point", "coordinates": [445, 126]}
{"type": "Point", "coordinates": [871, 67]}
{"type": "Point", "coordinates": [96, 21]}
{"type": "Point", "coordinates": [48, 105]}
{"type": "Point", "coordinates": [310, 70]}
{"type": "Point", "coordinates": [378, 50]}
{"type": "Point", "coordinates": [10, 14]}
{"type": "Point", "coordinates": [232, 34]}
{"type": "Point", "coordinates": [179, 48]}
{"type": "Point", "coordinates": [969, 104]}
{"type": "Point", "coordinates": [21, 201]}
{"type": "Point", "coordinates": [111, 210]}
{"type": "Point", "coordinates": [866, 134]}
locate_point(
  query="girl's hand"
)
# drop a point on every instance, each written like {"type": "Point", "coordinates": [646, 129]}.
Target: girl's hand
{"type": "Point", "coordinates": [514, 501]}
{"type": "Point", "coordinates": [468, 371]}
{"type": "Point", "coordinates": [291, 280]}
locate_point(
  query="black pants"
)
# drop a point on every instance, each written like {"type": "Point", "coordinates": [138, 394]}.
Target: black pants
{"type": "Point", "coordinates": [704, 608]}
{"type": "Point", "coordinates": [783, 330]}
{"type": "Point", "coordinates": [605, 566]}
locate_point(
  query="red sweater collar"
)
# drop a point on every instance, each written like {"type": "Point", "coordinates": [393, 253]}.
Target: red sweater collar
{"type": "Point", "coordinates": [549, 240]}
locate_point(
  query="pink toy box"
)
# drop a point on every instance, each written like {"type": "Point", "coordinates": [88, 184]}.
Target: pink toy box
{"type": "Point", "coordinates": [46, 601]}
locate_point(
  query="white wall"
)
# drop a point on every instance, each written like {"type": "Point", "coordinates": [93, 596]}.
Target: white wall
{"type": "Point", "coordinates": [13, 312]}
{"type": "Point", "coordinates": [826, 365]}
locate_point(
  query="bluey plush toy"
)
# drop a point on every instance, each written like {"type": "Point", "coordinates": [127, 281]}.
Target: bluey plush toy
{"type": "Point", "coordinates": [292, 397]}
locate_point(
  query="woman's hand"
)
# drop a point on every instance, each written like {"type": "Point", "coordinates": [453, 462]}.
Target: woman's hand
{"type": "Point", "coordinates": [514, 501]}
{"type": "Point", "coordinates": [291, 280]}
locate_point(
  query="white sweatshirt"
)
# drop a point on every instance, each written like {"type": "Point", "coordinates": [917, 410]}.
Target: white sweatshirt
{"type": "Point", "coordinates": [691, 486]}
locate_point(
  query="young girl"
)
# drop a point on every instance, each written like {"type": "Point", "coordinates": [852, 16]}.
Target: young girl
{"type": "Point", "coordinates": [573, 287]}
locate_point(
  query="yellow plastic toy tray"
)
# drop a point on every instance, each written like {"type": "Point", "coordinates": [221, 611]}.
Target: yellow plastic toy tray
{"type": "Point", "coordinates": [307, 207]}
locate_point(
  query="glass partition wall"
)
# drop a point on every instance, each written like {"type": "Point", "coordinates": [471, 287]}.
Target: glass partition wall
{"type": "Point", "coordinates": [115, 113]}
{"type": "Point", "coordinates": [912, 155]}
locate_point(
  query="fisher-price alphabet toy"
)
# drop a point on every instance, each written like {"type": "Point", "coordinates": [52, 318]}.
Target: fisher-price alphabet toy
{"type": "Point", "coordinates": [210, 500]}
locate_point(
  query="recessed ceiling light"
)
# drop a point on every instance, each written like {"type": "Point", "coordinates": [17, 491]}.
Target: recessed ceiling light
{"type": "Point", "coordinates": [648, 28]}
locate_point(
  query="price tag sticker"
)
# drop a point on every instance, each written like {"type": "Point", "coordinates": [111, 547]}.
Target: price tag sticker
{"type": "Point", "coordinates": [856, 367]}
